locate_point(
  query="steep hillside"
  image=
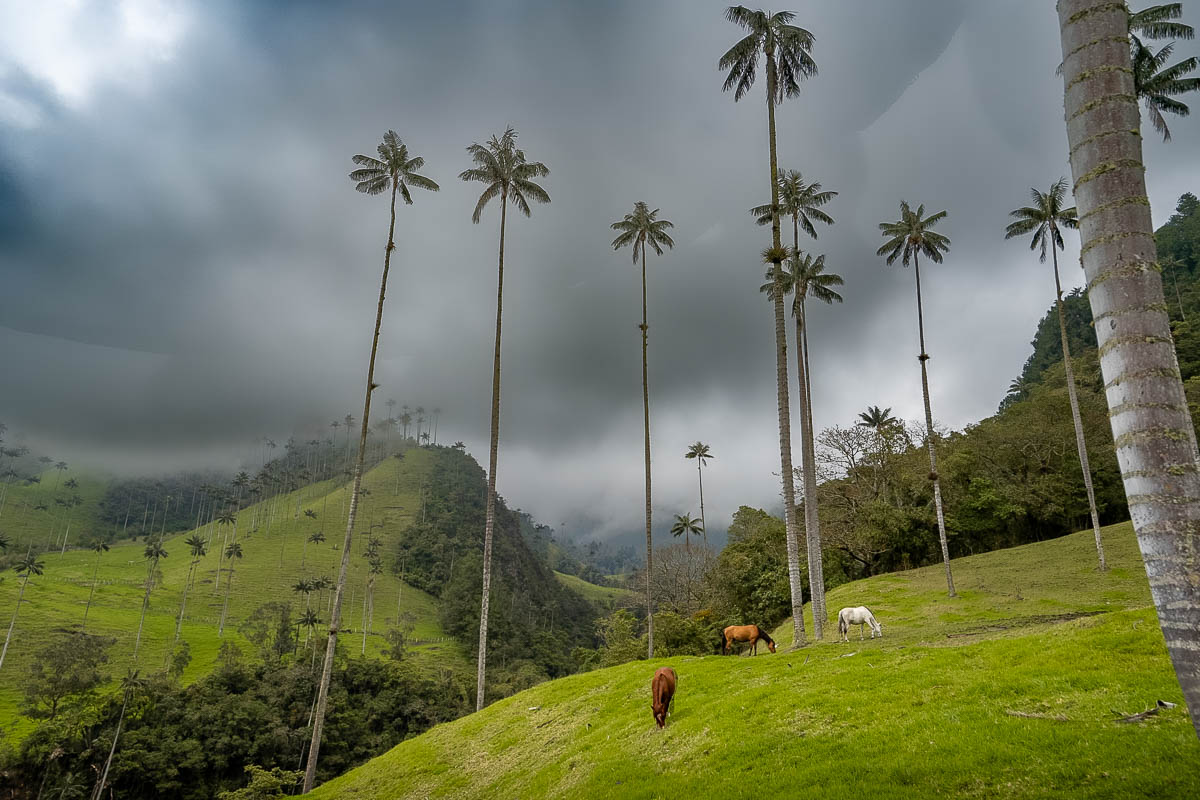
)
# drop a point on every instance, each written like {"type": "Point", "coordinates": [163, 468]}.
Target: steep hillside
{"type": "Point", "coordinates": [44, 513]}
{"type": "Point", "coordinates": [1008, 691]}
{"type": "Point", "coordinates": [275, 557]}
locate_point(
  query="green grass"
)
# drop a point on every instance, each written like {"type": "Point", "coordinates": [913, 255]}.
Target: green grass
{"type": "Point", "coordinates": [603, 597]}
{"type": "Point", "coordinates": [25, 525]}
{"type": "Point", "coordinates": [933, 709]}
{"type": "Point", "coordinates": [55, 601]}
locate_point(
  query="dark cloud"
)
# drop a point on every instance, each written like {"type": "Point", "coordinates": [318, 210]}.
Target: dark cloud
{"type": "Point", "coordinates": [186, 266]}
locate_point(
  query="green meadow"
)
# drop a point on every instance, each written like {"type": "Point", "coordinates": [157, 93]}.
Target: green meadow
{"type": "Point", "coordinates": [273, 535]}
{"type": "Point", "coordinates": [1013, 689]}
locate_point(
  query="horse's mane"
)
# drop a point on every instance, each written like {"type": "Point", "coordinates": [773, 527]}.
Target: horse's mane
{"type": "Point", "coordinates": [762, 634]}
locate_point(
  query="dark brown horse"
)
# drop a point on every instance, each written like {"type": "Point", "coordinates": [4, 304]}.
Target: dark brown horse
{"type": "Point", "coordinates": [662, 692]}
{"type": "Point", "coordinates": [745, 633]}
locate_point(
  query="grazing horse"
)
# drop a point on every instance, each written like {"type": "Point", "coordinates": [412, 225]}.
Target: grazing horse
{"type": "Point", "coordinates": [662, 694]}
{"type": "Point", "coordinates": [860, 615]}
{"type": "Point", "coordinates": [745, 633]}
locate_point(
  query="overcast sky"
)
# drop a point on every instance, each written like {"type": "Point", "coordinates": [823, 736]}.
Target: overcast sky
{"type": "Point", "coordinates": [185, 266]}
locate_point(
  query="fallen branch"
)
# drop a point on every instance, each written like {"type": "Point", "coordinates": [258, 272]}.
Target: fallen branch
{"type": "Point", "coordinates": [847, 655]}
{"type": "Point", "coordinates": [1028, 715]}
{"type": "Point", "coordinates": [1143, 715]}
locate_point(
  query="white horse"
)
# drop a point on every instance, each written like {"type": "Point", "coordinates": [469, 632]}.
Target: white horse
{"type": "Point", "coordinates": [861, 615]}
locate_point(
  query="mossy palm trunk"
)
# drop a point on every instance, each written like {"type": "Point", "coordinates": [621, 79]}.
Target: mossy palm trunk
{"type": "Point", "coordinates": [700, 475]}
{"type": "Point", "coordinates": [812, 535]}
{"type": "Point", "coordinates": [930, 440]}
{"type": "Point", "coordinates": [1073, 397]}
{"type": "Point", "coordinates": [1152, 430]}
{"type": "Point", "coordinates": [646, 426]}
{"type": "Point", "coordinates": [781, 378]}
{"type": "Point", "coordinates": [493, 453]}
{"type": "Point", "coordinates": [335, 618]}
{"type": "Point", "coordinates": [808, 462]}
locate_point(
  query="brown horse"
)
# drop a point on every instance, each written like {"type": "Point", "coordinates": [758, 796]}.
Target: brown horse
{"type": "Point", "coordinates": [745, 633]}
{"type": "Point", "coordinates": [662, 693]}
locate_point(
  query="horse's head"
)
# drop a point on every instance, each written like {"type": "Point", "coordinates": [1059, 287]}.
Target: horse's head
{"type": "Point", "coordinates": [771, 646]}
{"type": "Point", "coordinates": [660, 714]}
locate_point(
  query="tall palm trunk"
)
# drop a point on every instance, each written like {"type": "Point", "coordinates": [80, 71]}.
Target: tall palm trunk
{"type": "Point", "coordinates": [929, 438]}
{"type": "Point", "coordinates": [646, 423]}
{"type": "Point", "coordinates": [812, 531]}
{"type": "Point", "coordinates": [182, 604]}
{"type": "Point", "coordinates": [808, 466]}
{"type": "Point", "coordinates": [703, 524]}
{"type": "Point", "coordinates": [13, 624]}
{"type": "Point", "coordinates": [92, 592]}
{"type": "Point", "coordinates": [1074, 399]}
{"type": "Point", "coordinates": [225, 604]}
{"type": "Point", "coordinates": [335, 618]}
{"type": "Point", "coordinates": [1152, 430]}
{"type": "Point", "coordinates": [781, 378]}
{"type": "Point", "coordinates": [99, 793]}
{"type": "Point", "coordinates": [493, 453]}
{"type": "Point", "coordinates": [137, 642]}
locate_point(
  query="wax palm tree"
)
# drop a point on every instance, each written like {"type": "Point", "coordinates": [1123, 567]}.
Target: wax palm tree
{"type": "Point", "coordinates": [131, 684]}
{"type": "Point", "coordinates": [776, 289]}
{"type": "Point", "coordinates": [198, 549]}
{"type": "Point", "coordinates": [1045, 219]}
{"type": "Point", "coordinates": [232, 553]}
{"type": "Point", "coordinates": [908, 239]}
{"type": "Point", "coordinates": [5, 542]}
{"type": "Point", "coordinates": [876, 418]}
{"type": "Point", "coordinates": [99, 547]}
{"type": "Point", "coordinates": [393, 172]}
{"type": "Point", "coordinates": [643, 229]}
{"type": "Point", "coordinates": [1157, 85]}
{"type": "Point", "coordinates": [701, 453]}
{"type": "Point", "coordinates": [303, 586]}
{"type": "Point", "coordinates": [26, 568]}
{"type": "Point", "coordinates": [153, 553]}
{"type": "Point", "coordinates": [1152, 429]}
{"type": "Point", "coordinates": [309, 620]}
{"type": "Point", "coordinates": [1159, 22]}
{"type": "Point", "coordinates": [786, 51]}
{"type": "Point", "coordinates": [685, 526]}
{"type": "Point", "coordinates": [224, 519]}
{"type": "Point", "coordinates": [502, 168]}
{"type": "Point", "coordinates": [806, 277]}
{"type": "Point", "coordinates": [799, 200]}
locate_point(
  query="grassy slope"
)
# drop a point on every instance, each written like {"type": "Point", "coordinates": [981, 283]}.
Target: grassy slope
{"type": "Point", "coordinates": [24, 525]}
{"type": "Point", "coordinates": [922, 712]}
{"type": "Point", "coordinates": [56, 601]}
{"type": "Point", "coordinates": [603, 597]}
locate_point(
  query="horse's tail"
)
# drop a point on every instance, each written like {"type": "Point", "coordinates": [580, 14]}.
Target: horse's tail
{"type": "Point", "coordinates": [843, 626]}
{"type": "Point", "coordinates": [721, 644]}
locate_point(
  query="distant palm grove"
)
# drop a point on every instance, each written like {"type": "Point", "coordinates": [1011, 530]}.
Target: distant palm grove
{"type": "Point", "coordinates": [255, 633]}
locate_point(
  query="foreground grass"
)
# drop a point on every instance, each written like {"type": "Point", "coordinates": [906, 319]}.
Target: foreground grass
{"type": "Point", "coordinates": [276, 557]}
{"type": "Point", "coordinates": [994, 694]}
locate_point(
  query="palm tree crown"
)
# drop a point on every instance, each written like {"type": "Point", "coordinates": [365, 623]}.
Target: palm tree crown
{"type": "Point", "coordinates": [699, 450]}
{"type": "Point", "coordinates": [642, 228]}
{"type": "Point", "coordinates": [799, 200]}
{"type": "Point", "coordinates": [1044, 218]}
{"type": "Point", "coordinates": [805, 276]}
{"type": "Point", "coordinates": [1155, 84]}
{"type": "Point", "coordinates": [876, 418]}
{"type": "Point", "coordinates": [394, 169]}
{"type": "Point", "coordinates": [501, 165]}
{"type": "Point", "coordinates": [912, 235]}
{"type": "Point", "coordinates": [789, 44]}
{"type": "Point", "coordinates": [1157, 22]}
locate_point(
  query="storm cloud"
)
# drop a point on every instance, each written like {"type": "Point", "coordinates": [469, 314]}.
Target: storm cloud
{"type": "Point", "coordinates": [185, 266]}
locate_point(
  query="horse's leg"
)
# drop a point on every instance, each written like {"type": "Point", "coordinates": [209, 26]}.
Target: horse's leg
{"type": "Point", "coordinates": [860, 631]}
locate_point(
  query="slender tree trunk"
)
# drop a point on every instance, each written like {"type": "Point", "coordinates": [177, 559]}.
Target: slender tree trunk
{"type": "Point", "coordinates": [808, 416]}
{"type": "Point", "coordinates": [225, 605]}
{"type": "Point", "coordinates": [812, 530]}
{"type": "Point", "coordinates": [92, 593]}
{"type": "Point", "coordinates": [645, 328]}
{"type": "Point", "coordinates": [929, 437]}
{"type": "Point", "coordinates": [314, 749]}
{"type": "Point", "coordinates": [1074, 398]}
{"type": "Point", "coordinates": [13, 624]}
{"type": "Point", "coordinates": [781, 378]}
{"type": "Point", "coordinates": [1152, 430]}
{"type": "Point", "coordinates": [703, 524]}
{"type": "Point", "coordinates": [493, 453]}
{"type": "Point", "coordinates": [182, 605]}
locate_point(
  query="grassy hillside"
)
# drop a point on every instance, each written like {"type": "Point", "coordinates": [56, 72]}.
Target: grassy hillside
{"type": "Point", "coordinates": [603, 597]}
{"type": "Point", "coordinates": [29, 514]}
{"type": "Point", "coordinates": [1009, 690]}
{"type": "Point", "coordinates": [276, 556]}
